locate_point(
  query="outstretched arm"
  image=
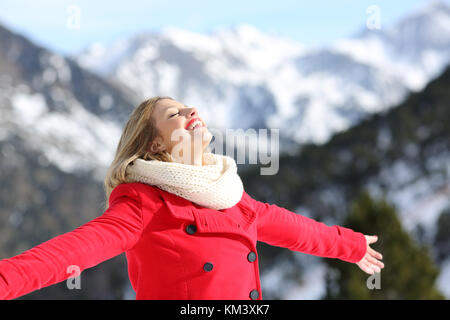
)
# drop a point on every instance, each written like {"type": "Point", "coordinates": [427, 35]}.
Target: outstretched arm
{"type": "Point", "coordinates": [278, 226]}
{"type": "Point", "coordinates": [117, 230]}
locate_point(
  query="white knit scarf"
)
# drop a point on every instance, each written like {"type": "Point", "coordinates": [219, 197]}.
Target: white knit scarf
{"type": "Point", "coordinates": [215, 185]}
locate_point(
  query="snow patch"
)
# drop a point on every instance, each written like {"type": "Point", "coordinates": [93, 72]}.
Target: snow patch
{"type": "Point", "coordinates": [28, 108]}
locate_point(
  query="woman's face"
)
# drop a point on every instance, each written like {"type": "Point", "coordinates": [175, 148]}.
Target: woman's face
{"type": "Point", "coordinates": [175, 121]}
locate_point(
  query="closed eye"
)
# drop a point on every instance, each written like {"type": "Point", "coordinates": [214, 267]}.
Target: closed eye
{"type": "Point", "coordinates": [174, 114]}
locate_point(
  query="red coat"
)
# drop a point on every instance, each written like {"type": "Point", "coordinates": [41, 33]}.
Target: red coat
{"type": "Point", "coordinates": [177, 249]}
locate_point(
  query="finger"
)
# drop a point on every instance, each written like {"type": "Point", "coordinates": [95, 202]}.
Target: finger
{"type": "Point", "coordinates": [369, 270]}
{"type": "Point", "coordinates": [375, 267]}
{"type": "Point", "coordinates": [374, 253]}
{"type": "Point", "coordinates": [371, 259]}
{"type": "Point", "coordinates": [374, 261]}
{"type": "Point", "coordinates": [364, 265]}
{"type": "Point", "coordinates": [372, 266]}
{"type": "Point", "coordinates": [371, 239]}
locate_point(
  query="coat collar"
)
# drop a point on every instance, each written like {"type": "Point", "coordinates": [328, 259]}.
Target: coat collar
{"type": "Point", "coordinates": [179, 207]}
{"type": "Point", "coordinates": [237, 219]}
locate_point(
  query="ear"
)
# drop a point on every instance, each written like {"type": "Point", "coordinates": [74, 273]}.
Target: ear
{"type": "Point", "coordinates": [157, 145]}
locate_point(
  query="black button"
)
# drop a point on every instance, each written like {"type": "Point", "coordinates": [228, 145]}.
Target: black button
{"type": "Point", "coordinates": [208, 266]}
{"type": "Point", "coordinates": [191, 229]}
{"type": "Point", "coordinates": [254, 294]}
{"type": "Point", "coordinates": [251, 256]}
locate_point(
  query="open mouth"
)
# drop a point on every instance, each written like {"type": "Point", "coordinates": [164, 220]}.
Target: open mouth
{"type": "Point", "coordinates": [195, 124]}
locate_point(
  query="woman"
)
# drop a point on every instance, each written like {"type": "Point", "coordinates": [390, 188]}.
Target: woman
{"type": "Point", "coordinates": [181, 215]}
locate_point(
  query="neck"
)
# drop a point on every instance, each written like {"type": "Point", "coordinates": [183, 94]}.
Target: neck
{"type": "Point", "coordinates": [196, 159]}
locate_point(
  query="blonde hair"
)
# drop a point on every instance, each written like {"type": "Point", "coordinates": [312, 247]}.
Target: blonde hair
{"type": "Point", "coordinates": [140, 130]}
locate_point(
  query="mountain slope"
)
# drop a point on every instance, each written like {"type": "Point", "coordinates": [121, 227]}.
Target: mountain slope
{"type": "Point", "coordinates": [65, 112]}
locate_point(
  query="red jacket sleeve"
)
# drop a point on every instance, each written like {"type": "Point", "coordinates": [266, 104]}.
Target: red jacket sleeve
{"type": "Point", "coordinates": [117, 230]}
{"type": "Point", "coordinates": [280, 227]}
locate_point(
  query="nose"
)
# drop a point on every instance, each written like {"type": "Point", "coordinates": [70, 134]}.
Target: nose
{"type": "Point", "coordinates": [192, 112]}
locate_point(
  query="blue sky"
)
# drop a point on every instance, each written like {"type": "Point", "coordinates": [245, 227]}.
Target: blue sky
{"type": "Point", "coordinates": [47, 22]}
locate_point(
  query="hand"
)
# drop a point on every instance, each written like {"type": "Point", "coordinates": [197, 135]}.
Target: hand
{"type": "Point", "coordinates": [369, 262]}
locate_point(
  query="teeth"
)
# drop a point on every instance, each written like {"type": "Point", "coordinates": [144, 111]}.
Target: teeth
{"type": "Point", "coordinates": [194, 124]}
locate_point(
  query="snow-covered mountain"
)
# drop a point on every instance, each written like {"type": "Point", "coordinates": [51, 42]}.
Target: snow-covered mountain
{"type": "Point", "coordinates": [243, 78]}
{"type": "Point", "coordinates": [220, 74]}
{"type": "Point", "coordinates": [72, 117]}
{"type": "Point", "coordinates": [415, 49]}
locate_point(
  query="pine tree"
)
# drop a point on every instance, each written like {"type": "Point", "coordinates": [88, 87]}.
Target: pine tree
{"type": "Point", "coordinates": [409, 272]}
{"type": "Point", "coordinates": [442, 237]}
